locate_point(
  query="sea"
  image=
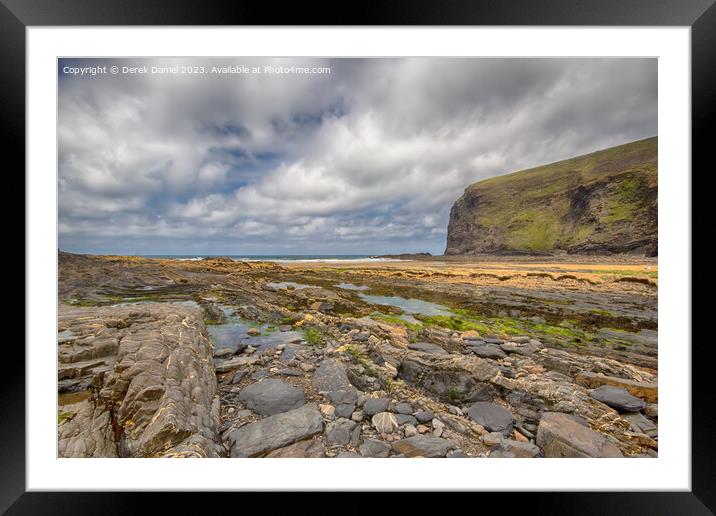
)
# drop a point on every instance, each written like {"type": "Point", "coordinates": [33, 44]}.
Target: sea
{"type": "Point", "coordinates": [280, 257]}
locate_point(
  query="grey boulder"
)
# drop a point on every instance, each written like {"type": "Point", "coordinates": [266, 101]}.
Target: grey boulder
{"type": "Point", "coordinates": [422, 446]}
{"type": "Point", "coordinates": [507, 448]}
{"type": "Point", "coordinates": [276, 431]}
{"type": "Point", "coordinates": [427, 347]}
{"type": "Point", "coordinates": [373, 406]}
{"type": "Point", "coordinates": [375, 448]}
{"type": "Point", "coordinates": [493, 417]}
{"type": "Point", "coordinates": [559, 435]}
{"type": "Point", "coordinates": [618, 398]}
{"type": "Point", "coordinates": [339, 431]}
{"type": "Point", "coordinates": [271, 397]}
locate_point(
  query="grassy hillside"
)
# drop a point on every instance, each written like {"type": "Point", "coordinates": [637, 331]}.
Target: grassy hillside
{"type": "Point", "coordinates": [603, 201]}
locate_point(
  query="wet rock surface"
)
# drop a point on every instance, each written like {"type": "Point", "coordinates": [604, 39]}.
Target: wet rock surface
{"type": "Point", "coordinates": [219, 364]}
{"type": "Point", "coordinates": [271, 397]}
{"type": "Point", "coordinates": [155, 381]}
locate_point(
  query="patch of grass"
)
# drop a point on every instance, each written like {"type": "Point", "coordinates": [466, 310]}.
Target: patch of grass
{"type": "Point", "coordinates": [359, 356]}
{"type": "Point", "coordinates": [82, 302]}
{"type": "Point", "coordinates": [605, 313]}
{"type": "Point", "coordinates": [314, 337]}
{"type": "Point", "coordinates": [63, 417]}
{"type": "Point", "coordinates": [533, 210]}
{"type": "Point", "coordinates": [393, 319]}
{"type": "Point", "coordinates": [454, 395]}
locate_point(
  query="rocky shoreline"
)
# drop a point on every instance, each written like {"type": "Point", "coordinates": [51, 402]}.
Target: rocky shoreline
{"type": "Point", "coordinates": [219, 358]}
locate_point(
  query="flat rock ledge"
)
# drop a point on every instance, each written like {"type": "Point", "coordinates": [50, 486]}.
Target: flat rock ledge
{"type": "Point", "coordinates": [153, 391]}
{"type": "Point", "coordinates": [560, 435]}
{"type": "Point", "coordinates": [277, 431]}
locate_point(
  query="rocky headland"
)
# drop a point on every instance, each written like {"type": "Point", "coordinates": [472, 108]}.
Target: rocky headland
{"type": "Point", "coordinates": [423, 358]}
{"type": "Point", "coordinates": [600, 203]}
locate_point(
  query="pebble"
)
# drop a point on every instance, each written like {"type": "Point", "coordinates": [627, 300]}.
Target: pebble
{"type": "Point", "coordinates": [651, 410]}
{"type": "Point", "coordinates": [424, 416]}
{"type": "Point", "coordinates": [455, 410]}
{"type": "Point", "coordinates": [410, 431]}
{"type": "Point", "coordinates": [404, 408]}
{"type": "Point", "coordinates": [327, 410]}
{"type": "Point", "coordinates": [492, 438]}
{"type": "Point", "coordinates": [357, 415]}
{"type": "Point", "coordinates": [385, 423]}
{"type": "Point", "coordinates": [422, 429]}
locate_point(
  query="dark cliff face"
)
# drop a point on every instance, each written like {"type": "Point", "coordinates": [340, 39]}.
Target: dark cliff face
{"type": "Point", "coordinates": [599, 203]}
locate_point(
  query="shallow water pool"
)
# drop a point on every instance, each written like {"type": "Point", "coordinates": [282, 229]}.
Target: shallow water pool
{"type": "Point", "coordinates": [408, 305]}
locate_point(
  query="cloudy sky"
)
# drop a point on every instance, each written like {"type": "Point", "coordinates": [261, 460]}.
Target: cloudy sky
{"type": "Point", "coordinates": [366, 159]}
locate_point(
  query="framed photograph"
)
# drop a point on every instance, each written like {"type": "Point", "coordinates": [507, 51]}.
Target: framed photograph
{"type": "Point", "coordinates": [457, 231]}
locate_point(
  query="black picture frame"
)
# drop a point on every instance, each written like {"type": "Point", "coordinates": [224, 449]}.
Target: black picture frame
{"type": "Point", "coordinates": [700, 15]}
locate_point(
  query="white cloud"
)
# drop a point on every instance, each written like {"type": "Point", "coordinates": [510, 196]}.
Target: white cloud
{"type": "Point", "coordinates": [366, 159]}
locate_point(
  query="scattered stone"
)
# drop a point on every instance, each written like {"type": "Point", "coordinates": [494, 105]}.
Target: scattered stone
{"type": "Point", "coordinates": [330, 378]}
{"type": "Point", "coordinates": [225, 366]}
{"type": "Point", "coordinates": [492, 438]}
{"type": "Point", "coordinates": [522, 339]}
{"type": "Point", "coordinates": [385, 422]}
{"type": "Point", "coordinates": [355, 436]}
{"type": "Point", "coordinates": [327, 410]}
{"type": "Point", "coordinates": [513, 347]}
{"type": "Point", "coordinates": [361, 337]}
{"type": "Point", "coordinates": [224, 352]}
{"type": "Point", "coordinates": [290, 372]}
{"type": "Point", "coordinates": [410, 431]}
{"type": "Point", "coordinates": [285, 327]}
{"type": "Point", "coordinates": [373, 406]}
{"type": "Point", "coordinates": [300, 450]}
{"type": "Point", "coordinates": [618, 398]}
{"type": "Point", "coordinates": [564, 406]}
{"type": "Point", "coordinates": [422, 446]}
{"type": "Point", "coordinates": [405, 419]}
{"type": "Point", "coordinates": [493, 417]}
{"type": "Point", "coordinates": [481, 393]}
{"type": "Point", "coordinates": [651, 410]}
{"type": "Point", "coordinates": [642, 423]}
{"type": "Point", "coordinates": [259, 375]}
{"type": "Point", "coordinates": [427, 347]}
{"type": "Point", "coordinates": [488, 351]}
{"type": "Point", "coordinates": [470, 335]}
{"type": "Point", "coordinates": [238, 376]}
{"type": "Point", "coordinates": [339, 431]}
{"type": "Point", "coordinates": [249, 350]}
{"type": "Point", "coordinates": [559, 435]}
{"type": "Point", "coordinates": [438, 427]}
{"type": "Point", "coordinates": [271, 397]}
{"type": "Point", "coordinates": [348, 455]}
{"type": "Point", "coordinates": [648, 391]}
{"type": "Point", "coordinates": [404, 408]}
{"type": "Point", "coordinates": [276, 431]}
{"type": "Point", "coordinates": [515, 450]}
{"type": "Point", "coordinates": [456, 454]}
{"type": "Point", "coordinates": [375, 448]}
{"type": "Point", "coordinates": [455, 410]}
{"type": "Point", "coordinates": [520, 437]}
{"type": "Point", "coordinates": [357, 416]}
{"type": "Point", "coordinates": [253, 332]}
{"type": "Point", "coordinates": [422, 429]}
{"type": "Point", "coordinates": [424, 416]}
{"type": "Point", "coordinates": [345, 409]}
{"type": "Point", "coordinates": [321, 306]}
{"type": "Point", "coordinates": [493, 340]}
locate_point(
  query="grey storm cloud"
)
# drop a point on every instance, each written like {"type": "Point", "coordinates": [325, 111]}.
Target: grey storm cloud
{"type": "Point", "coordinates": [365, 159]}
